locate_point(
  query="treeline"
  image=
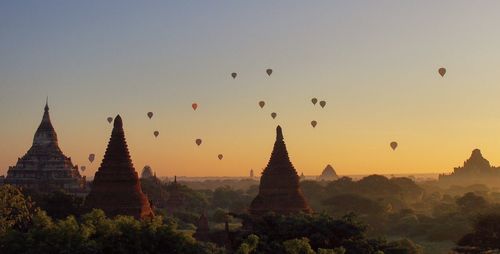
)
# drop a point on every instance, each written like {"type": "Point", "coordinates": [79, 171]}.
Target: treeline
{"type": "Point", "coordinates": [25, 228]}
{"type": "Point", "coordinates": [417, 217]}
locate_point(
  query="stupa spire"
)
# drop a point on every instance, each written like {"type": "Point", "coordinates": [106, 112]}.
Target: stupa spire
{"type": "Point", "coordinates": [279, 189]}
{"type": "Point", "coordinates": [116, 188]}
{"type": "Point", "coordinates": [117, 156]}
{"type": "Point", "coordinates": [279, 157]}
{"type": "Point", "coordinates": [279, 133]}
{"type": "Point", "coordinates": [46, 135]}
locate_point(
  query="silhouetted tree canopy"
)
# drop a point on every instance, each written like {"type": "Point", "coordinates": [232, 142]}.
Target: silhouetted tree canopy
{"type": "Point", "coordinates": [485, 235]}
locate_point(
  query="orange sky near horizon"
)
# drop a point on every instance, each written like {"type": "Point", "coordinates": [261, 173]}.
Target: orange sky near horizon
{"type": "Point", "coordinates": [374, 63]}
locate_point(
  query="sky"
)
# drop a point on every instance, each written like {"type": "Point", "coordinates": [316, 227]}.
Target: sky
{"type": "Point", "coordinates": [374, 62]}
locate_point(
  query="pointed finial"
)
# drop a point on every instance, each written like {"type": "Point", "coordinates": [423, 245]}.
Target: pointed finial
{"type": "Point", "coordinates": [47, 103]}
{"type": "Point", "coordinates": [175, 179]}
{"type": "Point", "coordinates": [279, 133]}
{"type": "Point", "coordinates": [118, 122]}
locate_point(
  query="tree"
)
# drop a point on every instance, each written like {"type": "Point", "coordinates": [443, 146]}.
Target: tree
{"type": "Point", "coordinates": [248, 245]}
{"type": "Point", "coordinates": [234, 200]}
{"type": "Point", "coordinates": [220, 215]}
{"type": "Point", "coordinates": [16, 210]}
{"type": "Point", "coordinates": [471, 202]}
{"type": "Point", "coordinates": [298, 246]}
{"type": "Point", "coordinates": [344, 203]}
{"type": "Point", "coordinates": [485, 235]}
{"type": "Point", "coordinates": [59, 204]}
{"type": "Point", "coordinates": [96, 233]}
{"type": "Point", "coordinates": [404, 246]}
{"type": "Point", "coordinates": [321, 231]}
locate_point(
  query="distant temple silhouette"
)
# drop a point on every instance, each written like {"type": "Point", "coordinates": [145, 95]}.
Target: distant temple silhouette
{"type": "Point", "coordinates": [147, 172]}
{"type": "Point", "coordinates": [175, 199]}
{"type": "Point", "coordinates": [328, 174]}
{"type": "Point", "coordinates": [202, 228]}
{"type": "Point", "coordinates": [476, 169]}
{"type": "Point", "coordinates": [279, 189]}
{"type": "Point", "coordinates": [116, 188]}
{"type": "Point", "coordinates": [44, 168]}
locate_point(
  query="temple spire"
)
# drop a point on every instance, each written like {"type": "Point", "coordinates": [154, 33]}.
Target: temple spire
{"type": "Point", "coordinates": [45, 134]}
{"type": "Point", "coordinates": [116, 188]}
{"type": "Point", "coordinates": [279, 133]}
{"type": "Point", "coordinates": [279, 189]}
{"type": "Point", "coordinates": [279, 160]}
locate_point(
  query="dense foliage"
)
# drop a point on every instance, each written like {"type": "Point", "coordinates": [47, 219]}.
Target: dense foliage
{"type": "Point", "coordinates": [26, 230]}
{"type": "Point", "coordinates": [434, 217]}
{"type": "Point", "coordinates": [320, 233]}
{"type": "Point", "coordinates": [485, 236]}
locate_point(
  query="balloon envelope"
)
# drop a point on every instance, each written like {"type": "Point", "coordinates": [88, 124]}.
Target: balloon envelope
{"type": "Point", "coordinates": [194, 106]}
{"type": "Point", "coordinates": [234, 75]}
{"type": "Point", "coordinates": [273, 115]}
{"type": "Point", "coordinates": [82, 168]}
{"type": "Point", "coordinates": [269, 72]}
{"type": "Point", "coordinates": [91, 157]}
{"type": "Point", "coordinates": [314, 101]}
{"type": "Point", "coordinates": [198, 141]}
{"type": "Point", "coordinates": [314, 123]}
{"type": "Point", "coordinates": [322, 104]}
{"type": "Point", "coordinates": [156, 133]}
{"type": "Point", "coordinates": [262, 104]}
{"type": "Point", "coordinates": [110, 119]}
{"type": "Point", "coordinates": [394, 145]}
{"type": "Point", "coordinates": [442, 71]}
{"type": "Point", "coordinates": [150, 114]}
{"type": "Point", "coordinates": [220, 156]}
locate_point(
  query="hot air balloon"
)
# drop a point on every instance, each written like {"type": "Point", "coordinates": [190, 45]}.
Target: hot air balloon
{"type": "Point", "coordinates": [314, 123]}
{"type": "Point", "coordinates": [442, 71]}
{"type": "Point", "coordinates": [110, 119]}
{"type": "Point", "coordinates": [273, 115]}
{"type": "Point", "coordinates": [234, 74]}
{"type": "Point", "coordinates": [150, 115]}
{"type": "Point", "coordinates": [198, 141]}
{"type": "Point", "coordinates": [394, 145]}
{"type": "Point", "coordinates": [156, 133]}
{"type": "Point", "coordinates": [194, 106]}
{"type": "Point", "coordinates": [269, 72]}
{"type": "Point", "coordinates": [82, 168]}
{"type": "Point", "coordinates": [322, 104]}
{"type": "Point", "coordinates": [220, 156]}
{"type": "Point", "coordinates": [262, 104]}
{"type": "Point", "coordinates": [91, 157]}
{"type": "Point", "coordinates": [314, 101]}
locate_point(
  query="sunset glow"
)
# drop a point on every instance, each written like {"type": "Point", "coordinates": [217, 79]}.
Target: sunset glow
{"type": "Point", "coordinates": [376, 67]}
